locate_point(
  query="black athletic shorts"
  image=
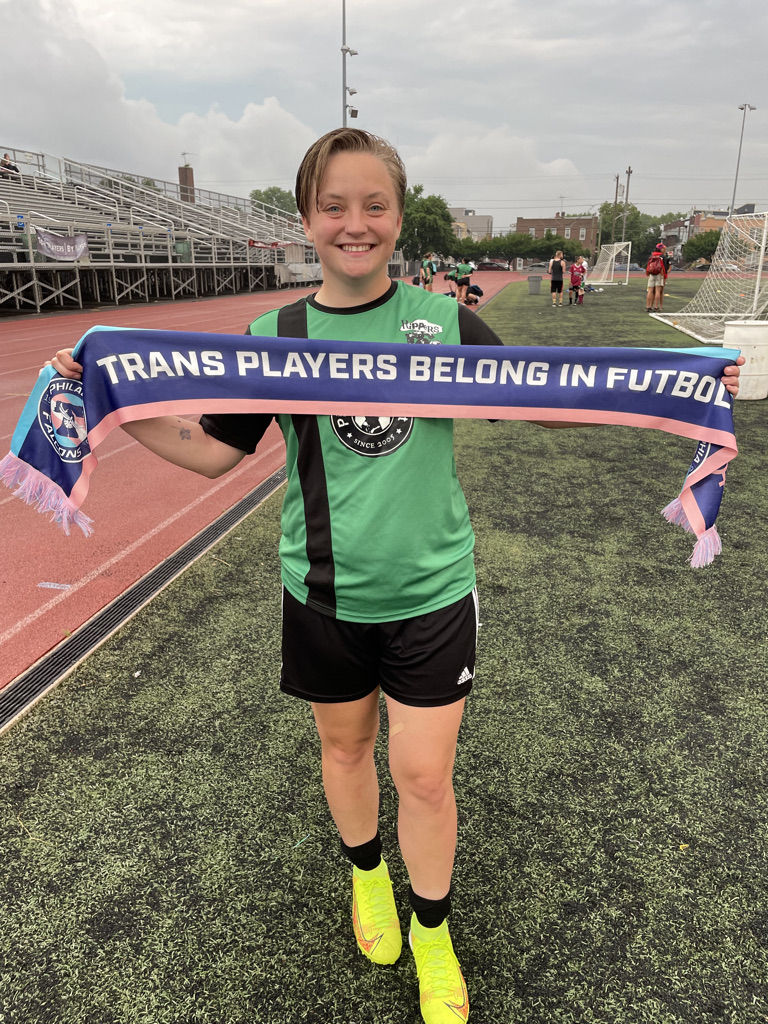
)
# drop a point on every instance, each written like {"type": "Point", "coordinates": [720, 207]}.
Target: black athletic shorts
{"type": "Point", "coordinates": [556, 286]}
{"type": "Point", "coordinates": [425, 661]}
{"type": "Point", "coordinates": [462, 281]}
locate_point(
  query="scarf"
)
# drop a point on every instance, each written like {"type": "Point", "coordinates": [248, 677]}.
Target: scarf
{"type": "Point", "coordinates": [135, 374]}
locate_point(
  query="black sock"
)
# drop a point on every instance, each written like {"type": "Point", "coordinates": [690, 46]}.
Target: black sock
{"type": "Point", "coordinates": [367, 856]}
{"type": "Point", "coordinates": [430, 913]}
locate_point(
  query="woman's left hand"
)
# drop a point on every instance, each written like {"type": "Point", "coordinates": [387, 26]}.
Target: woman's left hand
{"type": "Point", "coordinates": [731, 376]}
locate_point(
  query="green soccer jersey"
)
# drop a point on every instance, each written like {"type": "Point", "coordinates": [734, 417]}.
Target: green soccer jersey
{"type": "Point", "coordinates": [464, 269]}
{"type": "Point", "coordinates": [374, 523]}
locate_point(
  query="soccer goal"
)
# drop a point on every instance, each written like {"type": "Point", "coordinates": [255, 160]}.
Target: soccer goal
{"type": "Point", "coordinates": [735, 286]}
{"type": "Point", "coordinates": [612, 265]}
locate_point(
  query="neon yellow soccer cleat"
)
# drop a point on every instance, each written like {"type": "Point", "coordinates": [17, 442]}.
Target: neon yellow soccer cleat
{"type": "Point", "coordinates": [374, 915]}
{"type": "Point", "coordinates": [444, 998]}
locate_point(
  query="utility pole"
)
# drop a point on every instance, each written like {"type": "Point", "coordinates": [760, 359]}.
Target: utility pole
{"type": "Point", "coordinates": [626, 198]}
{"type": "Point", "coordinates": [615, 204]}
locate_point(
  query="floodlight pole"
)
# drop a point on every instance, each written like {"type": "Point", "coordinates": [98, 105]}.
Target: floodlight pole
{"type": "Point", "coordinates": [345, 52]}
{"type": "Point", "coordinates": [745, 107]}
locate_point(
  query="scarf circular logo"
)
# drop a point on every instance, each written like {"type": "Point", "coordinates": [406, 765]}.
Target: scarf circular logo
{"type": "Point", "coordinates": [372, 435]}
{"type": "Point", "coordinates": [61, 415]}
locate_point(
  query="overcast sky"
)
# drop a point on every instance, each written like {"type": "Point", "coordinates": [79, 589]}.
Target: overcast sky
{"type": "Point", "coordinates": [504, 107]}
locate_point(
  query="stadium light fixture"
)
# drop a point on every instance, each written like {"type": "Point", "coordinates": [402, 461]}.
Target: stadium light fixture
{"type": "Point", "coordinates": [345, 52]}
{"type": "Point", "coordinates": [745, 107]}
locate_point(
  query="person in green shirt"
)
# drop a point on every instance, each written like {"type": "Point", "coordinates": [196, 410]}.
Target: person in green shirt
{"type": "Point", "coordinates": [376, 561]}
{"type": "Point", "coordinates": [426, 273]}
{"type": "Point", "coordinates": [463, 272]}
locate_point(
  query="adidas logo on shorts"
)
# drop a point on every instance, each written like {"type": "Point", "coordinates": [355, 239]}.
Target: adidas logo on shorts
{"type": "Point", "coordinates": [465, 677]}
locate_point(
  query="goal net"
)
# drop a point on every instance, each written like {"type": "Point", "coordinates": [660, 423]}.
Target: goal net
{"type": "Point", "coordinates": [735, 286]}
{"type": "Point", "coordinates": [612, 265]}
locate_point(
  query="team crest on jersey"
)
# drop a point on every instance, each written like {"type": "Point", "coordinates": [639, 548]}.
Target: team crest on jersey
{"type": "Point", "coordinates": [372, 435]}
{"type": "Point", "coordinates": [421, 332]}
{"type": "Point", "coordinates": [61, 415]}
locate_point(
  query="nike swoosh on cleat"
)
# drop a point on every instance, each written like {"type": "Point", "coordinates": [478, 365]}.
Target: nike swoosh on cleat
{"type": "Point", "coordinates": [462, 1007]}
{"type": "Point", "coordinates": [369, 944]}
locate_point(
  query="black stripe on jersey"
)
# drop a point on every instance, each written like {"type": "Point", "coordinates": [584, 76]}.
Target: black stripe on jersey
{"type": "Point", "coordinates": [474, 331]}
{"type": "Point", "coordinates": [320, 580]}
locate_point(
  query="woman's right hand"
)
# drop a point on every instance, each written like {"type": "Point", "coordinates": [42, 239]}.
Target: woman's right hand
{"type": "Point", "coordinates": [65, 365]}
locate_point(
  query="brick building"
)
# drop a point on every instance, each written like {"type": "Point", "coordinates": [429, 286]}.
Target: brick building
{"type": "Point", "coordinates": [675, 234]}
{"type": "Point", "coordinates": [578, 229]}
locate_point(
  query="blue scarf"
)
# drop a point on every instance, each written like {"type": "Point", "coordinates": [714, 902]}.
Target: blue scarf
{"type": "Point", "coordinates": [135, 374]}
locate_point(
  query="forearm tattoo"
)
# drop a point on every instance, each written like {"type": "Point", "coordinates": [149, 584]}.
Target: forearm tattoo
{"type": "Point", "coordinates": [185, 434]}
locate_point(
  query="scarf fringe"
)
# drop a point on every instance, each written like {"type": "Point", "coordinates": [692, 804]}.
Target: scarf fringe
{"type": "Point", "coordinates": [675, 513]}
{"type": "Point", "coordinates": [707, 545]}
{"type": "Point", "coordinates": [42, 494]}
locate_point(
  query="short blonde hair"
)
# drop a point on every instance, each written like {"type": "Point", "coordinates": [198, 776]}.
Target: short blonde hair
{"type": "Point", "coordinates": [345, 140]}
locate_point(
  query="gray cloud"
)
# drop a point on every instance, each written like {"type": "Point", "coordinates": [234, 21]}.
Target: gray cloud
{"type": "Point", "coordinates": [510, 107]}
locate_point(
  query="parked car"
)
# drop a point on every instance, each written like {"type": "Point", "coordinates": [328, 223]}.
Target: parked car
{"type": "Point", "coordinates": [632, 266]}
{"type": "Point", "coordinates": [491, 265]}
{"type": "Point", "coordinates": [537, 266]}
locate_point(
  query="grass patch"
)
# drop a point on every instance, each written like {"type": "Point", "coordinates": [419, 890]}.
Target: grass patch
{"type": "Point", "coordinates": [167, 854]}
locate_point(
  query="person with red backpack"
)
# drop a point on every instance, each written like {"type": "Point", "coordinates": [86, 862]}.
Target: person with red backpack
{"type": "Point", "coordinates": [656, 272]}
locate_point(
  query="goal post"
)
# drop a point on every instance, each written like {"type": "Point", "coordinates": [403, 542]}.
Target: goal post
{"type": "Point", "coordinates": [736, 285]}
{"type": "Point", "coordinates": [612, 265]}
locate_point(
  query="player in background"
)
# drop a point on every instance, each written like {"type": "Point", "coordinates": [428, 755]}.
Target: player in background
{"type": "Point", "coordinates": [576, 290]}
{"type": "Point", "coordinates": [557, 270]}
{"type": "Point", "coordinates": [463, 273]}
{"type": "Point", "coordinates": [656, 272]}
{"type": "Point", "coordinates": [426, 272]}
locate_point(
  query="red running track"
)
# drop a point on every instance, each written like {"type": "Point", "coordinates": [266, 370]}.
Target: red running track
{"type": "Point", "coordinates": [143, 508]}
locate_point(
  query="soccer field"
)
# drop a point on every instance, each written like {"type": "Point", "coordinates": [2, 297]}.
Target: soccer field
{"type": "Point", "coordinates": [168, 857]}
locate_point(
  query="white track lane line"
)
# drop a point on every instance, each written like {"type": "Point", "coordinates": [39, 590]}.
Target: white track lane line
{"type": "Point", "coordinates": [43, 609]}
{"type": "Point", "coordinates": [101, 459]}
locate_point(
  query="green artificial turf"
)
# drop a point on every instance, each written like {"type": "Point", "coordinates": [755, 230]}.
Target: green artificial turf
{"type": "Point", "coordinates": [167, 854]}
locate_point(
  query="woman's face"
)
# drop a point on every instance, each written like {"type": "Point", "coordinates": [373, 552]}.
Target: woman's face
{"type": "Point", "coordinates": [355, 222]}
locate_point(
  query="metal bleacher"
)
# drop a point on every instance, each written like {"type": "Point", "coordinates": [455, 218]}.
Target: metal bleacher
{"type": "Point", "coordinates": [146, 239]}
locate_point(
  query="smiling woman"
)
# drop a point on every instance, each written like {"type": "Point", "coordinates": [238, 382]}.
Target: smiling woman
{"type": "Point", "coordinates": [351, 203]}
{"type": "Point", "coordinates": [376, 556]}
{"type": "Point", "coordinates": [354, 224]}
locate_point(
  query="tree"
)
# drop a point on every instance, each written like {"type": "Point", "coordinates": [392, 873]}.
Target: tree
{"type": "Point", "coordinates": [274, 196]}
{"type": "Point", "coordinates": [701, 247]}
{"type": "Point", "coordinates": [546, 247]}
{"type": "Point", "coordinates": [641, 229]}
{"type": "Point", "coordinates": [508, 247]}
{"type": "Point", "coordinates": [426, 225]}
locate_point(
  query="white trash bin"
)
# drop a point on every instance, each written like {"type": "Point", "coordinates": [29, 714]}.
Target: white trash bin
{"type": "Point", "coordinates": [751, 336]}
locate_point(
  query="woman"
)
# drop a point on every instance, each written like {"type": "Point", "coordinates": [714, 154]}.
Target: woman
{"type": "Point", "coordinates": [376, 560]}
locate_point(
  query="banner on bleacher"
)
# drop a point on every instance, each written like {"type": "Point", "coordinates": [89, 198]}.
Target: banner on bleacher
{"type": "Point", "coordinates": [61, 247]}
